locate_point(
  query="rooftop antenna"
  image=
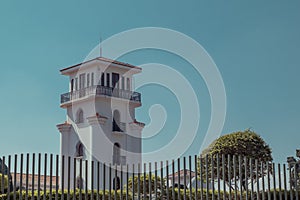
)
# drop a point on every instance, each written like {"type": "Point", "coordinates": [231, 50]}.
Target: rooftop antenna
{"type": "Point", "coordinates": [100, 46]}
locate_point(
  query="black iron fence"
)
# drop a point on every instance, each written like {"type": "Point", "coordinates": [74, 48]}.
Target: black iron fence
{"type": "Point", "coordinates": [47, 176]}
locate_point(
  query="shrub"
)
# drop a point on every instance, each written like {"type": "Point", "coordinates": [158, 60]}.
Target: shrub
{"type": "Point", "coordinates": [5, 187]}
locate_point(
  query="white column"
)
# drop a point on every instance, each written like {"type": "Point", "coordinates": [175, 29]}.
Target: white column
{"type": "Point", "coordinates": [64, 129]}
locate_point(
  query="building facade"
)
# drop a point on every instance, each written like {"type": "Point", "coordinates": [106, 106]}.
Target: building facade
{"type": "Point", "coordinates": [100, 124]}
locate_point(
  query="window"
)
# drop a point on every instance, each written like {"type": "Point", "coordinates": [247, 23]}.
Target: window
{"type": "Point", "coordinates": [123, 83]}
{"type": "Point", "coordinates": [128, 83]}
{"type": "Point", "coordinates": [76, 83]}
{"type": "Point", "coordinates": [115, 80]}
{"type": "Point", "coordinates": [116, 121]}
{"type": "Point", "coordinates": [72, 84]}
{"type": "Point", "coordinates": [79, 182]}
{"type": "Point", "coordinates": [116, 183]}
{"type": "Point", "coordinates": [92, 79]}
{"type": "Point", "coordinates": [107, 79]}
{"type": "Point", "coordinates": [102, 79]}
{"type": "Point", "coordinates": [79, 116]}
{"type": "Point", "coordinates": [116, 154]}
{"type": "Point", "coordinates": [79, 150]}
{"type": "Point", "coordinates": [81, 81]}
{"type": "Point", "coordinates": [87, 80]}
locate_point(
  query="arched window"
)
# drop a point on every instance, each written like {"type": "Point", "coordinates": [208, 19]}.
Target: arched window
{"type": "Point", "coordinates": [116, 183]}
{"type": "Point", "coordinates": [79, 182]}
{"type": "Point", "coordinates": [116, 121]}
{"type": "Point", "coordinates": [79, 150]}
{"type": "Point", "coordinates": [79, 116]}
{"type": "Point", "coordinates": [116, 154]}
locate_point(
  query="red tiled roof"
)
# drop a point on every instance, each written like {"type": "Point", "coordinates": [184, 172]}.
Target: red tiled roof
{"type": "Point", "coordinates": [105, 60]}
{"type": "Point", "coordinates": [187, 173]}
{"type": "Point", "coordinates": [42, 178]}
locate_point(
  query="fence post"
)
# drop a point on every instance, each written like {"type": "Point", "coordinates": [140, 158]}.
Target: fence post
{"type": "Point", "coordinates": [184, 178]}
{"type": "Point", "coordinates": [139, 181]}
{"type": "Point", "coordinates": [223, 174]}
{"type": "Point", "coordinates": [15, 176]}
{"type": "Point", "coordinates": [257, 179]}
{"type": "Point", "coordinates": [173, 179]}
{"type": "Point", "coordinates": [196, 176]}
{"type": "Point", "coordinates": [45, 176]}
{"type": "Point", "coordinates": [274, 180]}
{"type": "Point", "coordinates": [285, 182]}
{"type": "Point", "coordinates": [229, 175]}
{"type": "Point", "coordinates": [39, 176]}
{"type": "Point", "coordinates": [9, 168]}
{"type": "Point", "coordinates": [51, 173]}
{"type": "Point", "coordinates": [144, 182]}
{"type": "Point", "coordinates": [263, 179]}
{"type": "Point", "coordinates": [218, 176]}
{"type": "Point", "coordinates": [178, 170]}
{"type": "Point", "coordinates": [21, 177]}
{"type": "Point", "coordinates": [241, 177]}
{"type": "Point", "coordinates": [234, 176]}
{"type": "Point", "coordinates": [161, 179]}
{"type": "Point", "coordinates": [279, 180]}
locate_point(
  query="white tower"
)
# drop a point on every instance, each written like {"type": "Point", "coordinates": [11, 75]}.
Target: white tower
{"type": "Point", "coordinates": [101, 124]}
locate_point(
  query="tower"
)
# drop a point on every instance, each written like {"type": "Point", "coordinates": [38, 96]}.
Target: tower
{"type": "Point", "coordinates": [100, 124]}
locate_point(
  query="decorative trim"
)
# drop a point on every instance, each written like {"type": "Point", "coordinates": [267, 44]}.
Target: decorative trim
{"type": "Point", "coordinates": [97, 119]}
{"type": "Point", "coordinates": [64, 128]}
{"type": "Point", "coordinates": [136, 125]}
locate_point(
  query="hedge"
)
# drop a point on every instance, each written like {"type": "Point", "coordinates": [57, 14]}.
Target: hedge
{"type": "Point", "coordinates": [63, 195]}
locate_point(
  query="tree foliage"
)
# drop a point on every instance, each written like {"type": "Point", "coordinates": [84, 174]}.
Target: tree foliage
{"type": "Point", "coordinates": [4, 179]}
{"type": "Point", "coordinates": [239, 156]}
{"type": "Point", "coordinates": [135, 181]}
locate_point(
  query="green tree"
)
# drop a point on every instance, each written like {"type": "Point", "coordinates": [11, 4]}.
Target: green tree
{"type": "Point", "coordinates": [243, 150]}
{"type": "Point", "coordinates": [5, 181]}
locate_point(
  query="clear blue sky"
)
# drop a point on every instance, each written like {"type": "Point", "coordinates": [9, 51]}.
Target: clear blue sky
{"type": "Point", "coordinates": [255, 44]}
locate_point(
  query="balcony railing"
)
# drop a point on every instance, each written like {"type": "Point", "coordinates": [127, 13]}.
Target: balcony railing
{"type": "Point", "coordinates": [101, 90]}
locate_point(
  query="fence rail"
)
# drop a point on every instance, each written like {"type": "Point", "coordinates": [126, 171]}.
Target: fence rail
{"type": "Point", "coordinates": [48, 176]}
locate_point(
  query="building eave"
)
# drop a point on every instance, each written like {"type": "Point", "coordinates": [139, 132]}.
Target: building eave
{"type": "Point", "coordinates": [67, 70]}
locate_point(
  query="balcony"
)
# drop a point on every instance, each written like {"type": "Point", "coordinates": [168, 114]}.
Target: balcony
{"type": "Point", "coordinates": [100, 90]}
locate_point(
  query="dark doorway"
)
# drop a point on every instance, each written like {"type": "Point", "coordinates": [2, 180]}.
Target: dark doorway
{"type": "Point", "coordinates": [115, 80]}
{"type": "Point", "coordinates": [116, 183]}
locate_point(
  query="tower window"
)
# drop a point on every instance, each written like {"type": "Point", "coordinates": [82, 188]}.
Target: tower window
{"type": "Point", "coordinates": [115, 80]}
{"type": "Point", "coordinates": [81, 81]}
{"type": "Point", "coordinates": [76, 83]}
{"type": "Point", "coordinates": [102, 79]}
{"type": "Point", "coordinates": [79, 150]}
{"type": "Point", "coordinates": [72, 84]}
{"type": "Point", "coordinates": [92, 79]}
{"type": "Point", "coordinates": [123, 83]}
{"type": "Point", "coordinates": [128, 83]}
{"type": "Point", "coordinates": [116, 154]}
{"type": "Point", "coordinates": [107, 79]}
{"type": "Point", "coordinates": [116, 121]}
{"type": "Point", "coordinates": [87, 80]}
{"type": "Point", "coordinates": [79, 116]}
